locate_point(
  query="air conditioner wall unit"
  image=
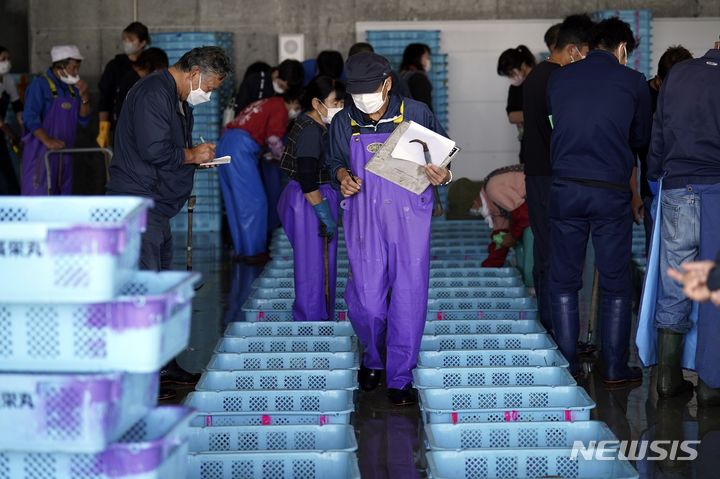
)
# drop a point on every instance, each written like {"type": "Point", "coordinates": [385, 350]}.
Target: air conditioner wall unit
{"type": "Point", "coordinates": [291, 47]}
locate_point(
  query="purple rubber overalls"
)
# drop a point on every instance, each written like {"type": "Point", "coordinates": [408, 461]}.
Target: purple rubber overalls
{"type": "Point", "coordinates": [61, 123]}
{"type": "Point", "coordinates": [302, 227]}
{"type": "Point", "coordinates": [387, 233]}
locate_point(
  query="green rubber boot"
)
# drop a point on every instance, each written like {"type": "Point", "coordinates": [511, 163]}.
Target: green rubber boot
{"type": "Point", "coordinates": [670, 381]}
{"type": "Point", "coordinates": [707, 396]}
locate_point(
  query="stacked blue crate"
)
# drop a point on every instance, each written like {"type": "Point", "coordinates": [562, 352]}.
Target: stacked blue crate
{"type": "Point", "coordinates": [277, 396]}
{"type": "Point", "coordinates": [640, 22]}
{"type": "Point", "coordinates": [391, 44]}
{"type": "Point", "coordinates": [207, 127]}
{"type": "Point", "coordinates": [83, 337]}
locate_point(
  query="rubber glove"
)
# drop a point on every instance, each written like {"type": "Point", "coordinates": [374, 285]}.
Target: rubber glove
{"type": "Point", "coordinates": [498, 239]}
{"type": "Point", "coordinates": [103, 138]}
{"type": "Point", "coordinates": [328, 228]}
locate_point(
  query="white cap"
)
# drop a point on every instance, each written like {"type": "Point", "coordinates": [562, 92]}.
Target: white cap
{"type": "Point", "coordinates": [63, 52]}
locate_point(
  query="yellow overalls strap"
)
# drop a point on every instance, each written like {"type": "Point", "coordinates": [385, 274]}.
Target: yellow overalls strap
{"type": "Point", "coordinates": [53, 88]}
{"type": "Point", "coordinates": [356, 128]}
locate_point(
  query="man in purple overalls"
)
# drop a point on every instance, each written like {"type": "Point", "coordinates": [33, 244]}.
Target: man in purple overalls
{"type": "Point", "coordinates": [55, 102]}
{"type": "Point", "coordinates": [387, 228]}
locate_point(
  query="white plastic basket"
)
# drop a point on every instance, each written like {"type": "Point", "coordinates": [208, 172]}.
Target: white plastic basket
{"type": "Point", "coordinates": [72, 412]}
{"type": "Point", "coordinates": [68, 248]}
{"type": "Point", "coordinates": [155, 447]}
{"type": "Point", "coordinates": [138, 331]}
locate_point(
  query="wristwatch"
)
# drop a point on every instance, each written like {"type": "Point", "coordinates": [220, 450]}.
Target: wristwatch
{"type": "Point", "coordinates": [449, 180]}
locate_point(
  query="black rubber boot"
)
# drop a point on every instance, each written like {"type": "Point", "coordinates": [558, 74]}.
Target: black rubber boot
{"type": "Point", "coordinates": [369, 379]}
{"type": "Point", "coordinates": [406, 396]}
{"type": "Point", "coordinates": [670, 381]}
{"type": "Point", "coordinates": [566, 328]}
{"type": "Point", "coordinates": [616, 318]}
{"type": "Point", "coordinates": [173, 373]}
{"type": "Point", "coordinates": [707, 396]}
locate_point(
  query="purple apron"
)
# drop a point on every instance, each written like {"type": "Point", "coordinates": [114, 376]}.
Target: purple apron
{"type": "Point", "coordinates": [302, 227]}
{"type": "Point", "coordinates": [387, 233]}
{"type": "Point", "coordinates": [61, 123]}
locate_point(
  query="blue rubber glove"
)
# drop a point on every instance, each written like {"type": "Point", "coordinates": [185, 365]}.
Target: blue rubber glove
{"type": "Point", "coordinates": [654, 187]}
{"type": "Point", "coordinates": [328, 225]}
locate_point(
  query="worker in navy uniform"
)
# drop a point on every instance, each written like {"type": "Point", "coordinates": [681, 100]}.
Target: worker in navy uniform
{"type": "Point", "coordinates": [600, 110]}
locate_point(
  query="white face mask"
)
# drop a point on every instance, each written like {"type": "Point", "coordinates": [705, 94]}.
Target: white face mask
{"type": "Point", "coordinates": [516, 80]}
{"type": "Point", "coordinates": [370, 103]}
{"type": "Point", "coordinates": [331, 112]}
{"type": "Point", "coordinates": [69, 79]}
{"type": "Point", "coordinates": [427, 66]}
{"type": "Point", "coordinates": [278, 89]}
{"type": "Point", "coordinates": [130, 47]}
{"type": "Point", "coordinates": [5, 67]}
{"type": "Point", "coordinates": [198, 96]}
{"type": "Point", "coordinates": [292, 114]}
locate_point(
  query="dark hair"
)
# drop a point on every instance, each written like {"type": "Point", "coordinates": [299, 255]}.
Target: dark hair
{"type": "Point", "coordinates": [330, 63]}
{"type": "Point", "coordinates": [152, 59]}
{"type": "Point", "coordinates": [139, 30]}
{"type": "Point", "coordinates": [321, 87]}
{"type": "Point", "coordinates": [208, 59]}
{"type": "Point", "coordinates": [62, 63]}
{"type": "Point", "coordinates": [610, 33]}
{"type": "Point", "coordinates": [360, 47]}
{"type": "Point", "coordinates": [412, 56]}
{"type": "Point", "coordinates": [513, 58]}
{"type": "Point", "coordinates": [293, 94]}
{"type": "Point", "coordinates": [574, 30]}
{"type": "Point", "coordinates": [3, 49]}
{"type": "Point", "coordinates": [257, 67]}
{"type": "Point", "coordinates": [551, 36]}
{"type": "Point", "coordinates": [292, 72]}
{"type": "Point", "coordinates": [672, 56]}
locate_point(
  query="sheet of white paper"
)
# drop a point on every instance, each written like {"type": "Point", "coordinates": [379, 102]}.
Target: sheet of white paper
{"type": "Point", "coordinates": [439, 146]}
{"type": "Point", "coordinates": [223, 160]}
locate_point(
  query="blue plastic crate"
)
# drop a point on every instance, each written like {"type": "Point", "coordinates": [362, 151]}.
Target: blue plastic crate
{"type": "Point", "coordinates": [278, 293]}
{"type": "Point", "coordinates": [273, 361]}
{"type": "Point", "coordinates": [255, 408]}
{"type": "Point", "coordinates": [72, 413]}
{"type": "Point", "coordinates": [492, 359]}
{"type": "Point", "coordinates": [512, 315]}
{"type": "Point", "coordinates": [520, 463]}
{"type": "Point", "coordinates": [331, 464]}
{"type": "Point", "coordinates": [473, 304]}
{"type": "Point", "coordinates": [465, 342]}
{"type": "Point", "coordinates": [245, 439]}
{"type": "Point", "coordinates": [161, 436]}
{"type": "Point", "coordinates": [515, 435]}
{"type": "Point", "coordinates": [150, 316]}
{"type": "Point", "coordinates": [459, 268]}
{"type": "Point", "coordinates": [265, 282]}
{"type": "Point", "coordinates": [278, 379]}
{"type": "Point", "coordinates": [477, 293]}
{"type": "Point", "coordinates": [68, 248]}
{"type": "Point", "coordinates": [308, 344]}
{"type": "Point", "coordinates": [510, 281]}
{"type": "Point", "coordinates": [529, 404]}
{"type": "Point", "coordinates": [424, 378]}
{"type": "Point", "coordinates": [484, 327]}
{"type": "Point", "coordinates": [259, 310]}
{"type": "Point", "coordinates": [305, 328]}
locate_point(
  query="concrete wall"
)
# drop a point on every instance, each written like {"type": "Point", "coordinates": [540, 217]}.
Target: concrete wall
{"type": "Point", "coordinates": [14, 32]}
{"type": "Point", "coordinates": [95, 25]}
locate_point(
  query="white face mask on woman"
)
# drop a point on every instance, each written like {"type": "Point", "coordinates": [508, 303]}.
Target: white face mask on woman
{"type": "Point", "coordinates": [331, 112]}
{"type": "Point", "coordinates": [5, 67]}
{"type": "Point", "coordinates": [370, 103]}
{"type": "Point", "coordinates": [278, 89]}
{"type": "Point", "coordinates": [198, 96]}
{"type": "Point", "coordinates": [131, 47]}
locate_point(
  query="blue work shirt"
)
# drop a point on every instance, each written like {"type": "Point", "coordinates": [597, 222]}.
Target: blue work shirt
{"type": "Point", "coordinates": [600, 110]}
{"type": "Point", "coordinates": [686, 131]}
{"type": "Point", "coordinates": [39, 100]}
{"type": "Point", "coordinates": [340, 130]}
{"type": "Point", "coordinates": [152, 133]}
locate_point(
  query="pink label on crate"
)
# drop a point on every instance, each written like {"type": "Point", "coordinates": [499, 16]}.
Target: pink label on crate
{"type": "Point", "coordinates": [568, 416]}
{"type": "Point", "coordinates": [266, 421]}
{"type": "Point", "coordinates": [341, 315]}
{"type": "Point", "coordinates": [454, 417]}
{"type": "Point", "coordinates": [323, 420]}
{"type": "Point", "coordinates": [208, 421]}
{"type": "Point", "coordinates": [440, 316]}
{"type": "Point", "coordinates": [511, 416]}
{"type": "Point", "coordinates": [261, 316]}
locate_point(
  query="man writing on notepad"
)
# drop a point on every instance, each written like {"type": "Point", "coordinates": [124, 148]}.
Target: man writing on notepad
{"type": "Point", "coordinates": [387, 228]}
{"type": "Point", "coordinates": [154, 156]}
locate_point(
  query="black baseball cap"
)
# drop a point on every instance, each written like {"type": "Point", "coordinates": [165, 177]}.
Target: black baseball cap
{"type": "Point", "coordinates": [366, 72]}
